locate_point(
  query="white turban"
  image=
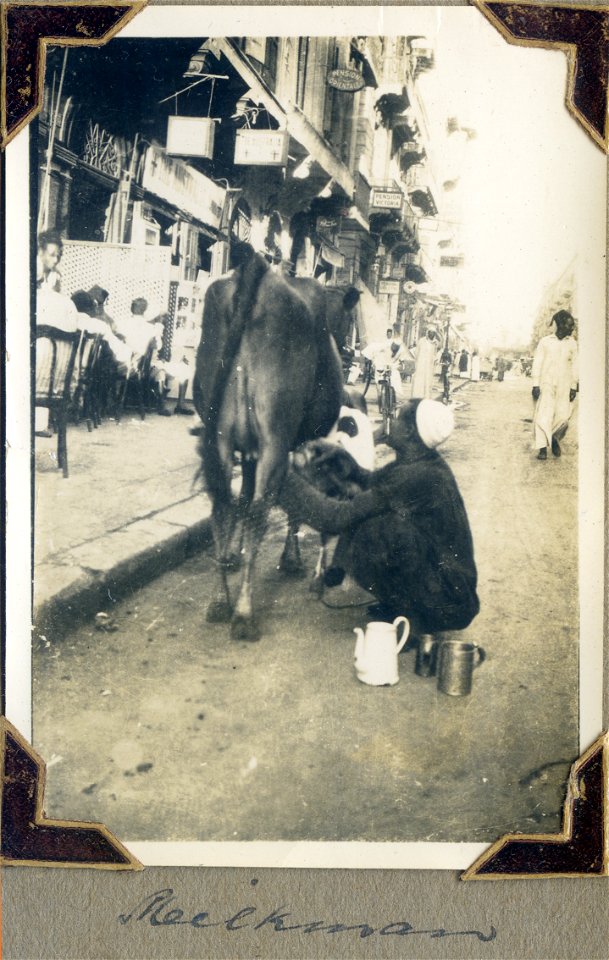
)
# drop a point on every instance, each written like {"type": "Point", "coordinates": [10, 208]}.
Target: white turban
{"type": "Point", "coordinates": [435, 422]}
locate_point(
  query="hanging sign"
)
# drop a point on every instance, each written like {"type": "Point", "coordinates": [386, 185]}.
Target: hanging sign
{"type": "Point", "coordinates": [190, 136]}
{"type": "Point", "coordinates": [346, 79]}
{"type": "Point", "coordinates": [387, 199]}
{"type": "Point", "coordinates": [267, 148]}
{"type": "Point", "coordinates": [389, 287]}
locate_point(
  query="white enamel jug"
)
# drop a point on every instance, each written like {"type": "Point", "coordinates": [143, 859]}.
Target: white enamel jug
{"type": "Point", "coordinates": [376, 651]}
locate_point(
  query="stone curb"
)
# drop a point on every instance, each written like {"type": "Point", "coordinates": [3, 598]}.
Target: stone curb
{"type": "Point", "coordinates": [94, 575]}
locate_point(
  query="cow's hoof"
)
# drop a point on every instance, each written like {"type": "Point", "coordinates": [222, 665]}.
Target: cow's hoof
{"type": "Point", "coordinates": [316, 586]}
{"type": "Point", "coordinates": [292, 568]}
{"type": "Point", "coordinates": [244, 629]}
{"type": "Point", "coordinates": [219, 611]}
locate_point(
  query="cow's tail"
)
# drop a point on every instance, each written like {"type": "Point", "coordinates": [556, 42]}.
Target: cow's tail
{"type": "Point", "coordinates": [251, 268]}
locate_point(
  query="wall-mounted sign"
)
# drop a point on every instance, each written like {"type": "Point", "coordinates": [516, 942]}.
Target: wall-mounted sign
{"type": "Point", "coordinates": [346, 79]}
{"type": "Point", "coordinates": [389, 287]}
{"type": "Point", "coordinates": [387, 199]}
{"type": "Point", "coordinates": [267, 148]}
{"type": "Point", "coordinates": [190, 136]}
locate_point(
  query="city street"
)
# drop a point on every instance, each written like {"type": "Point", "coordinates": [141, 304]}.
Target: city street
{"type": "Point", "coordinates": [166, 729]}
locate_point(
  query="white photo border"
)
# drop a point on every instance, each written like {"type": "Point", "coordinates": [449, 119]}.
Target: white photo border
{"type": "Point", "coordinates": [186, 20]}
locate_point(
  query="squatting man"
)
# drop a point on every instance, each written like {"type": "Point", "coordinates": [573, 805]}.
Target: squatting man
{"type": "Point", "coordinates": [406, 539]}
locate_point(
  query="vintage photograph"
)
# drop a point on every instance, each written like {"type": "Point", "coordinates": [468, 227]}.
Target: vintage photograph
{"type": "Point", "coordinates": [314, 505]}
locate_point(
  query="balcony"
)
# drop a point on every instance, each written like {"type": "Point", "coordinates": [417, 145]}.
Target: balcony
{"type": "Point", "coordinates": [424, 201]}
{"type": "Point", "coordinates": [410, 155]}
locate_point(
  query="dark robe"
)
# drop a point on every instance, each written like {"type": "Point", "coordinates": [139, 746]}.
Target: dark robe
{"type": "Point", "coordinates": [409, 540]}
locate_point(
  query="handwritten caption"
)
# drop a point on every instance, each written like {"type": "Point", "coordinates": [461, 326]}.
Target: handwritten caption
{"type": "Point", "coordinates": [161, 909]}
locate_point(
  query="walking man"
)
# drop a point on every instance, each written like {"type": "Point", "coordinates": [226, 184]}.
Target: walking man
{"type": "Point", "coordinates": [555, 376]}
{"type": "Point", "coordinates": [424, 360]}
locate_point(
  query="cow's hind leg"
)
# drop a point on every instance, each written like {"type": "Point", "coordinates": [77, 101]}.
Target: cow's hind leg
{"type": "Point", "coordinates": [248, 476]}
{"type": "Point", "coordinates": [223, 518]}
{"type": "Point", "coordinates": [291, 562]}
{"type": "Point", "coordinates": [269, 473]}
{"type": "Point", "coordinates": [219, 609]}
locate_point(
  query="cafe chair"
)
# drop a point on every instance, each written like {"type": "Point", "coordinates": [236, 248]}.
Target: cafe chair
{"type": "Point", "coordinates": [139, 377]}
{"type": "Point", "coordinates": [86, 402]}
{"type": "Point", "coordinates": [56, 357]}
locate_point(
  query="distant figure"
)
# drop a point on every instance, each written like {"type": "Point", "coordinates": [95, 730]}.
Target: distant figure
{"type": "Point", "coordinates": [424, 359]}
{"type": "Point", "coordinates": [501, 366]}
{"type": "Point", "coordinates": [386, 354]}
{"type": "Point", "coordinates": [555, 376]}
{"type": "Point", "coordinates": [463, 364]}
{"type": "Point", "coordinates": [445, 364]}
{"type": "Point", "coordinates": [475, 369]}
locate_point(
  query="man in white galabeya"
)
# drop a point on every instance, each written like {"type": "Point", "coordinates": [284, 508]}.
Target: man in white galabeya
{"type": "Point", "coordinates": [555, 384]}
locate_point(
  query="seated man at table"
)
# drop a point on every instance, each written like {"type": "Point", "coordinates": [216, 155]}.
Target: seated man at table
{"type": "Point", "coordinates": [407, 538]}
{"type": "Point", "coordinates": [53, 309]}
{"type": "Point", "coordinates": [50, 250]}
{"type": "Point", "coordinates": [140, 329]}
{"type": "Point", "coordinates": [176, 368]}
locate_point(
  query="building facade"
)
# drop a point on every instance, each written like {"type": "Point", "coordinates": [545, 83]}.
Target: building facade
{"type": "Point", "coordinates": [315, 149]}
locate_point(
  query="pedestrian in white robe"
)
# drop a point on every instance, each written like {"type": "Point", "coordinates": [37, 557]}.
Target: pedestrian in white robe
{"type": "Point", "coordinates": [424, 360]}
{"type": "Point", "coordinates": [555, 384]}
{"type": "Point", "coordinates": [475, 367]}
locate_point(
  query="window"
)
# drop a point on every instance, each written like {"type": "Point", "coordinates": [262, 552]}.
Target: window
{"type": "Point", "coordinates": [270, 61]}
{"type": "Point", "coordinates": [303, 54]}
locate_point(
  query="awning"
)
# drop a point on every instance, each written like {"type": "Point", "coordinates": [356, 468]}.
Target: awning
{"type": "Point", "coordinates": [372, 321]}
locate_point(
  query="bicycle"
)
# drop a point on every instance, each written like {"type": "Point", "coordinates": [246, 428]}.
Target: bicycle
{"type": "Point", "coordinates": [387, 401]}
{"type": "Point", "coordinates": [368, 375]}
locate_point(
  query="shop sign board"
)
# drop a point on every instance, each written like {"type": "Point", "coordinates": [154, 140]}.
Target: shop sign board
{"type": "Point", "coordinates": [387, 199]}
{"type": "Point", "coordinates": [183, 187]}
{"type": "Point", "coordinates": [190, 136]}
{"type": "Point", "coordinates": [346, 79]}
{"type": "Point", "coordinates": [327, 223]}
{"type": "Point", "coordinates": [389, 287]}
{"type": "Point", "coordinates": [267, 148]}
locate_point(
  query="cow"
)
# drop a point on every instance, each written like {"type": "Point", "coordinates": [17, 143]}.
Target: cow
{"type": "Point", "coordinates": [268, 378]}
{"type": "Point", "coordinates": [332, 307]}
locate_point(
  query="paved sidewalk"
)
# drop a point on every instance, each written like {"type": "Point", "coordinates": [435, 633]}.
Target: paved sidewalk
{"type": "Point", "coordinates": [131, 509]}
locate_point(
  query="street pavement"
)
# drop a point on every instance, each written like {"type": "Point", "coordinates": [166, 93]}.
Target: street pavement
{"type": "Point", "coordinates": [163, 728]}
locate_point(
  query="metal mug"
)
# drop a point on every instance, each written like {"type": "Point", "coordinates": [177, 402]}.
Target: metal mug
{"type": "Point", "coordinates": [427, 656]}
{"type": "Point", "coordinates": [457, 660]}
